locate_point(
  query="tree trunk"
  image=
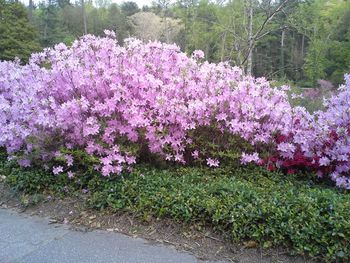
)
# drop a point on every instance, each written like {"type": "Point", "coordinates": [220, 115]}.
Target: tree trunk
{"type": "Point", "coordinates": [222, 57]}
{"type": "Point", "coordinates": [250, 36]}
{"type": "Point", "coordinates": [46, 21]}
{"type": "Point", "coordinates": [30, 13]}
{"type": "Point", "coordinates": [84, 16]}
{"type": "Point", "coordinates": [302, 46]}
{"type": "Point", "coordinates": [282, 52]}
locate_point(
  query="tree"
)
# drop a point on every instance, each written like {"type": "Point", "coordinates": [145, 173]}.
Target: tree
{"type": "Point", "coordinates": [103, 3]}
{"type": "Point", "coordinates": [84, 16]}
{"type": "Point", "coordinates": [129, 8]}
{"type": "Point", "coordinates": [18, 38]}
{"type": "Point", "coordinates": [50, 24]}
{"type": "Point", "coordinates": [30, 11]}
{"type": "Point", "coordinates": [199, 20]}
{"type": "Point", "coordinates": [149, 26]}
{"type": "Point", "coordinates": [321, 22]}
{"type": "Point", "coordinates": [117, 21]}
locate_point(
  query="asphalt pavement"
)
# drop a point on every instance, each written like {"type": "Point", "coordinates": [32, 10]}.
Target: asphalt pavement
{"type": "Point", "coordinates": [31, 239]}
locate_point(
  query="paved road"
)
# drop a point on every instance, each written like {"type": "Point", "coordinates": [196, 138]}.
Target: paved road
{"type": "Point", "coordinates": [33, 239]}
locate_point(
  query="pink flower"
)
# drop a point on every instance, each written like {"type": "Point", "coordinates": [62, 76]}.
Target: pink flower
{"type": "Point", "coordinates": [107, 160]}
{"type": "Point", "coordinates": [109, 33]}
{"type": "Point", "coordinates": [212, 162]}
{"type": "Point", "coordinates": [195, 154]}
{"type": "Point", "coordinates": [297, 96]}
{"type": "Point", "coordinates": [130, 160]}
{"type": "Point", "coordinates": [198, 54]}
{"type": "Point", "coordinates": [247, 158]}
{"type": "Point", "coordinates": [221, 117]}
{"type": "Point", "coordinates": [113, 103]}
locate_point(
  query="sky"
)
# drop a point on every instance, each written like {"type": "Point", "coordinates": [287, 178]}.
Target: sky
{"type": "Point", "coordinates": [140, 3]}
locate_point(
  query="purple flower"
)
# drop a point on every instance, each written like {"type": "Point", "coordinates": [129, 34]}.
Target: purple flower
{"type": "Point", "coordinates": [69, 159]}
{"type": "Point", "coordinates": [57, 170]}
{"type": "Point", "coordinates": [65, 189]}
{"type": "Point", "coordinates": [70, 174]}
{"type": "Point", "coordinates": [324, 161]}
{"type": "Point", "coordinates": [24, 162]}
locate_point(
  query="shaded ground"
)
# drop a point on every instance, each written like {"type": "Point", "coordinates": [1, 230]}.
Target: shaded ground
{"type": "Point", "coordinates": [203, 243]}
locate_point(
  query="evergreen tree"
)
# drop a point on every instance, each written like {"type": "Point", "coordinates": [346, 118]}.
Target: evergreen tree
{"type": "Point", "coordinates": [129, 8]}
{"type": "Point", "coordinates": [18, 38]}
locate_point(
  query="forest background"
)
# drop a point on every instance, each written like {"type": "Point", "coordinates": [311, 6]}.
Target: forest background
{"type": "Point", "coordinates": [302, 42]}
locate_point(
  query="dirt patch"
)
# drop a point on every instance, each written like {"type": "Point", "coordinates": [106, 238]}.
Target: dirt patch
{"type": "Point", "coordinates": [200, 241]}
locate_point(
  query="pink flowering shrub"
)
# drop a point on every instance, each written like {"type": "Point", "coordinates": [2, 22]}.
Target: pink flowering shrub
{"type": "Point", "coordinates": [119, 104]}
{"type": "Point", "coordinates": [334, 123]}
{"type": "Point", "coordinates": [318, 142]}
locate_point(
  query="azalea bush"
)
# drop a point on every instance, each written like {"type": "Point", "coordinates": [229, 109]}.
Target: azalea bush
{"type": "Point", "coordinates": [108, 106]}
{"type": "Point", "coordinates": [319, 142]}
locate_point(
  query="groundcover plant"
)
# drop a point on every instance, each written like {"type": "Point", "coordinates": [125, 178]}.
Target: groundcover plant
{"type": "Point", "coordinates": [118, 104]}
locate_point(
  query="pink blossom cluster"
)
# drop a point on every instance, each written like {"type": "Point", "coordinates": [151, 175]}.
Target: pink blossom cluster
{"type": "Point", "coordinates": [334, 123]}
{"type": "Point", "coordinates": [319, 142]}
{"type": "Point", "coordinates": [119, 103]}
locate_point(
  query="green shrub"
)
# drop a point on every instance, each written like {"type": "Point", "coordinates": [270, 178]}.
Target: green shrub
{"type": "Point", "coordinates": [246, 204]}
{"type": "Point", "coordinates": [308, 217]}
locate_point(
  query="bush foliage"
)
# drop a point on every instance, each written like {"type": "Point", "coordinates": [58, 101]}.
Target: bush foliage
{"type": "Point", "coordinates": [294, 211]}
{"type": "Point", "coordinates": [116, 105]}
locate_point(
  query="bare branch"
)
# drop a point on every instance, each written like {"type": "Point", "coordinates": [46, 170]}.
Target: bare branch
{"type": "Point", "coordinates": [266, 21]}
{"type": "Point", "coordinates": [270, 31]}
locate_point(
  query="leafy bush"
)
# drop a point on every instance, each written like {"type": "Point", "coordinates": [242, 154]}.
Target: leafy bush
{"type": "Point", "coordinates": [306, 216]}
{"type": "Point", "coordinates": [245, 204]}
{"type": "Point", "coordinates": [117, 105]}
{"type": "Point", "coordinates": [37, 180]}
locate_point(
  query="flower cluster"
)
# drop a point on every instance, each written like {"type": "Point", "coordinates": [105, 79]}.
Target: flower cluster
{"type": "Point", "coordinates": [318, 142]}
{"type": "Point", "coordinates": [121, 103]}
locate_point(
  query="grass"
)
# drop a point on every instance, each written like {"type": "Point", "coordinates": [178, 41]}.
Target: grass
{"type": "Point", "coordinates": [296, 212]}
